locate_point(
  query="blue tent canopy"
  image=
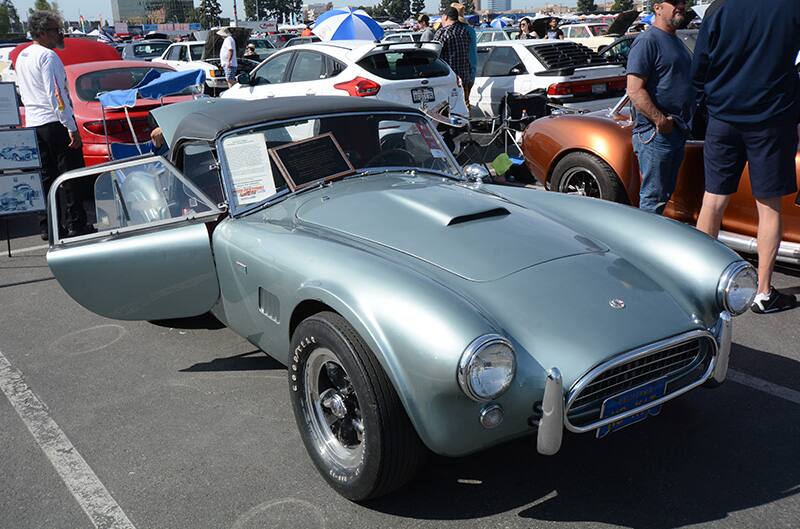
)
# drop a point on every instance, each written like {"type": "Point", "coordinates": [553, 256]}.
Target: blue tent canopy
{"type": "Point", "coordinates": [154, 85]}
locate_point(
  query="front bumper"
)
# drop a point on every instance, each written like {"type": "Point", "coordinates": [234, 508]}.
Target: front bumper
{"type": "Point", "coordinates": [554, 410]}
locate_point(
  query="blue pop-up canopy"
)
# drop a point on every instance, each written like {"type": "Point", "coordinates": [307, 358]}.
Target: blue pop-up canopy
{"type": "Point", "coordinates": [154, 85]}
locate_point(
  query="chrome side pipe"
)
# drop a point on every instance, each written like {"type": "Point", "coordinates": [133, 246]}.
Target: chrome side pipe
{"type": "Point", "coordinates": [551, 425]}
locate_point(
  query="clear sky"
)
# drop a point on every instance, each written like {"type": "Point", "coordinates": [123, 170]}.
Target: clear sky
{"type": "Point", "coordinates": [91, 9]}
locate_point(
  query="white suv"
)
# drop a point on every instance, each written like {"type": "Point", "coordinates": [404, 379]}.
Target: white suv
{"type": "Point", "coordinates": [410, 74]}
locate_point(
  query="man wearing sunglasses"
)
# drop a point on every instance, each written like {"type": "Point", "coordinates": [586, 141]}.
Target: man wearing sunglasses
{"type": "Point", "coordinates": [48, 109]}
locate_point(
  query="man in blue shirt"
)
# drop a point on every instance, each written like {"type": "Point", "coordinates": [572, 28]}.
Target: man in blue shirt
{"type": "Point", "coordinates": [660, 89]}
{"type": "Point", "coordinates": [746, 77]}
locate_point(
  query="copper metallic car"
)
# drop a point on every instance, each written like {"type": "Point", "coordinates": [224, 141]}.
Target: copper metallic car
{"type": "Point", "coordinates": [591, 154]}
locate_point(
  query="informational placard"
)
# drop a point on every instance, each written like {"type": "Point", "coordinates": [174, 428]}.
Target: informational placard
{"type": "Point", "coordinates": [312, 160]}
{"type": "Point", "coordinates": [9, 107]}
{"type": "Point", "coordinates": [18, 149]}
{"type": "Point", "coordinates": [249, 167]}
{"type": "Point", "coordinates": [21, 193]}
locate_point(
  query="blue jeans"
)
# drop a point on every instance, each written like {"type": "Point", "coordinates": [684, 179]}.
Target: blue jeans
{"type": "Point", "coordinates": [659, 161]}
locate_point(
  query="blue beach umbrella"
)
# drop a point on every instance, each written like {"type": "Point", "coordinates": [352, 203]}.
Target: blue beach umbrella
{"type": "Point", "coordinates": [347, 24]}
{"type": "Point", "coordinates": [498, 23]}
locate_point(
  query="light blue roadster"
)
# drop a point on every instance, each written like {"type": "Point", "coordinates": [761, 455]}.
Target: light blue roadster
{"type": "Point", "coordinates": [416, 308]}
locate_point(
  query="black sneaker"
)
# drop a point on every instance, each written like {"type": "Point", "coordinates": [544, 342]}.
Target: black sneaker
{"type": "Point", "coordinates": [774, 302]}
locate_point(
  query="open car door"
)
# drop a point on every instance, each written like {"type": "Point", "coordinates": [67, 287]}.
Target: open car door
{"type": "Point", "coordinates": [150, 257]}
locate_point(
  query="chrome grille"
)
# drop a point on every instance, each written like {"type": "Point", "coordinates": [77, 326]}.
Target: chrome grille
{"type": "Point", "coordinates": [639, 371]}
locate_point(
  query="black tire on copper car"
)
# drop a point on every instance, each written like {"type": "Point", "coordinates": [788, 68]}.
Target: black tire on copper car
{"type": "Point", "coordinates": [350, 417]}
{"type": "Point", "coordinates": [582, 173]}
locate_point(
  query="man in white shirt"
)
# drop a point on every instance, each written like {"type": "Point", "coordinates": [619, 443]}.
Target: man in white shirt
{"type": "Point", "coordinates": [48, 109]}
{"type": "Point", "coordinates": [227, 56]}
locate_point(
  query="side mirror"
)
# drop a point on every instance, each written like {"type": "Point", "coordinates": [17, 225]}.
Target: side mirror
{"type": "Point", "coordinates": [477, 173]}
{"type": "Point", "coordinates": [243, 79]}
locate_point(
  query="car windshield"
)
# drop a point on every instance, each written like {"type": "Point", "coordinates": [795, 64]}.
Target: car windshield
{"type": "Point", "coordinates": [196, 51]}
{"type": "Point", "coordinates": [151, 49]}
{"type": "Point", "coordinates": [598, 30]}
{"type": "Point", "coordinates": [262, 45]}
{"type": "Point", "coordinates": [369, 142]}
{"type": "Point", "coordinates": [88, 85]}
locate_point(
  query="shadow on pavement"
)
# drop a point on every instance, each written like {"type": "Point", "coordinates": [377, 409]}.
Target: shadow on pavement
{"type": "Point", "coordinates": [30, 281]}
{"type": "Point", "coordinates": [253, 361]}
{"type": "Point", "coordinates": [204, 321]}
{"type": "Point", "coordinates": [708, 454]}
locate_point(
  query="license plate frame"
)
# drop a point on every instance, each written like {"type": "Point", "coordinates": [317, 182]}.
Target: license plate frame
{"type": "Point", "coordinates": [630, 399]}
{"type": "Point", "coordinates": [423, 94]}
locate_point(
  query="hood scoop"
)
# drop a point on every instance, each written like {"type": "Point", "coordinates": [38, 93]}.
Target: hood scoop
{"type": "Point", "coordinates": [488, 214]}
{"type": "Point", "coordinates": [466, 232]}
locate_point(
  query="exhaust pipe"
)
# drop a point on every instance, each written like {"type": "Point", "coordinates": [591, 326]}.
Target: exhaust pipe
{"type": "Point", "coordinates": [788, 252]}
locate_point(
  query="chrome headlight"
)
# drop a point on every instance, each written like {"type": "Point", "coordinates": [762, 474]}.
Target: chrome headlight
{"type": "Point", "coordinates": [737, 287]}
{"type": "Point", "coordinates": [487, 367]}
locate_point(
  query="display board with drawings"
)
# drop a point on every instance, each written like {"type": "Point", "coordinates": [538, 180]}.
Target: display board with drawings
{"type": "Point", "coordinates": [21, 193]}
{"type": "Point", "coordinates": [20, 179]}
{"type": "Point", "coordinates": [18, 149]}
{"type": "Point", "coordinates": [9, 106]}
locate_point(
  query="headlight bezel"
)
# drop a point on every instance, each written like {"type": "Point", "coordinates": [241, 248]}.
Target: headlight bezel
{"type": "Point", "coordinates": [472, 351]}
{"type": "Point", "coordinates": [730, 276]}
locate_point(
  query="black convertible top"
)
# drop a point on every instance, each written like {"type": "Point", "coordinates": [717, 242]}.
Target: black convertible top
{"type": "Point", "coordinates": [206, 119]}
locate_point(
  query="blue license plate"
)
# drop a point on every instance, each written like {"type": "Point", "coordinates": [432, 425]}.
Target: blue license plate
{"type": "Point", "coordinates": [633, 398]}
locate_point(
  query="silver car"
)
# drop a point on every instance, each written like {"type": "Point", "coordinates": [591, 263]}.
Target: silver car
{"type": "Point", "coordinates": [416, 309]}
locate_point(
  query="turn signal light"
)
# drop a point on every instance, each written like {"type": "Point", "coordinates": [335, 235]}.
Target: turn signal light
{"type": "Point", "coordinates": [359, 87]}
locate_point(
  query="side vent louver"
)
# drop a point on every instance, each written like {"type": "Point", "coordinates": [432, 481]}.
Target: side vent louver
{"type": "Point", "coordinates": [488, 214]}
{"type": "Point", "coordinates": [268, 305]}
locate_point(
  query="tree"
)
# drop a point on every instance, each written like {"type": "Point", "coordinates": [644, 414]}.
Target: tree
{"type": "Point", "coordinates": [398, 10]}
{"type": "Point", "coordinates": [586, 6]}
{"type": "Point", "coordinates": [622, 5]}
{"type": "Point", "coordinates": [209, 11]}
{"type": "Point", "coordinates": [444, 4]}
{"type": "Point", "coordinates": [469, 6]}
{"type": "Point", "coordinates": [10, 13]}
{"type": "Point", "coordinates": [417, 7]}
{"type": "Point", "coordinates": [43, 5]}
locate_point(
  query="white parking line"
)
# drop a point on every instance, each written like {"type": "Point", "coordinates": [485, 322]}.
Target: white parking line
{"type": "Point", "coordinates": [15, 251]}
{"type": "Point", "coordinates": [762, 385]}
{"type": "Point", "coordinates": [86, 488]}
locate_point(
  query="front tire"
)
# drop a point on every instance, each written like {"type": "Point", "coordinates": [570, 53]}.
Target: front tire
{"type": "Point", "coordinates": [584, 174]}
{"type": "Point", "coordinates": [349, 415]}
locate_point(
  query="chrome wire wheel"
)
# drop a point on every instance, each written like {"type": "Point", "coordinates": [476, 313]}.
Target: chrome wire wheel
{"type": "Point", "coordinates": [337, 425]}
{"type": "Point", "coordinates": [580, 181]}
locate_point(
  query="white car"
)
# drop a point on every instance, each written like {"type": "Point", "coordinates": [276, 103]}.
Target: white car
{"type": "Point", "coordinates": [410, 74]}
{"type": "Point", "coordinates": [7, 73]}
{"type": "Point", "coordinates": [597, 35]}
{"type": "Point", "coordinates": [572, 75]}
{"type": "Point", "coordinates": [187, 56]}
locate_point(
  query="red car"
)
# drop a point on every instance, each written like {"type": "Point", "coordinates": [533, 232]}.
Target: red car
{"type": "Point", "coordinates": [86, 80]}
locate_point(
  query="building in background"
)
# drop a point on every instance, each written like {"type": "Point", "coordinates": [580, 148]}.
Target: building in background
{"type": "Point", "coordinates": [151, 11]}
{"type": "Point", "coordinates": [496, 6]}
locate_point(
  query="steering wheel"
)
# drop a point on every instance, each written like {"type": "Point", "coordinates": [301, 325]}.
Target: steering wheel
{"type": "Point", "coordinates": [395, 156]}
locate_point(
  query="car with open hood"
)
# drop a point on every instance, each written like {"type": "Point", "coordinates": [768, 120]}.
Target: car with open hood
{"type": "Point", "coordinates": [415, 308]}
{"type": "Point", "coordinates": [596, 35]}
{"type": "Point", "coordinates": [592, 155]}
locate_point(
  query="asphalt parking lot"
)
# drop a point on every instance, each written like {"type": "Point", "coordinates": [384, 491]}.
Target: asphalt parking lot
{"type": "Point", "coordinates": [184, 424]}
